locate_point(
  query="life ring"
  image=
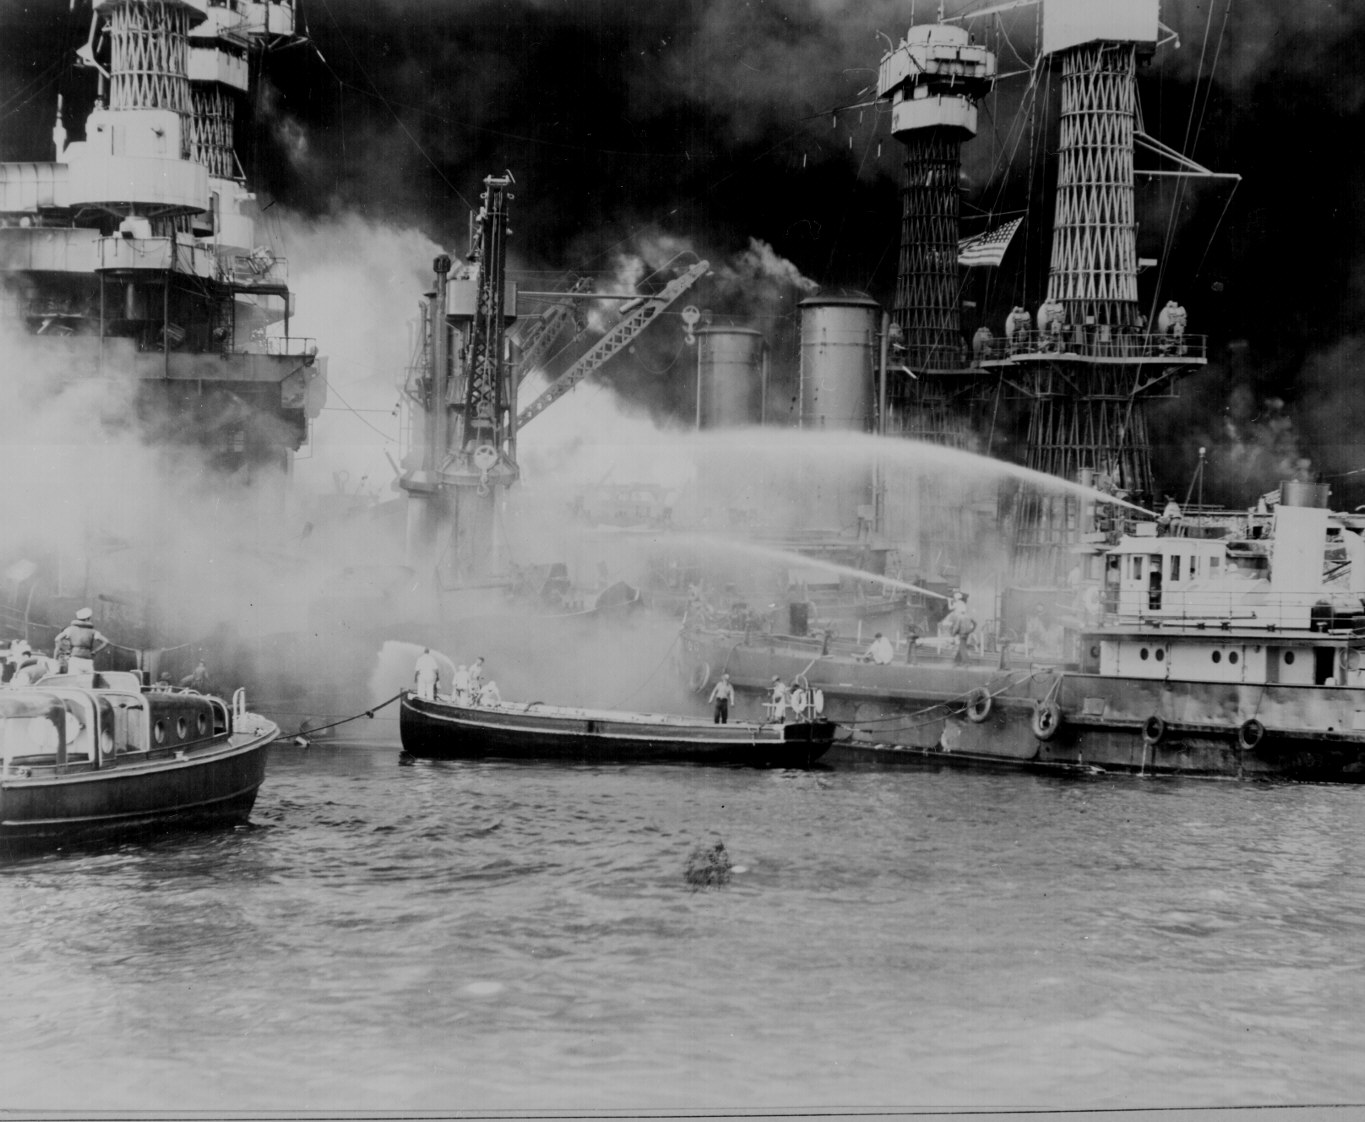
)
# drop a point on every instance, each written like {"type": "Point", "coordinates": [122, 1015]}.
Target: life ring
{"type": "Point", "coordinates": [1251, 733]}
{"type": "Point", "coordinates": [1047, 719]}
{"type": "Point", "coordinates": [701, 674]}
{"type": "Point", "coordinates": [979, 703]}
{"type": "Point", "coordinates": [1153, 730]}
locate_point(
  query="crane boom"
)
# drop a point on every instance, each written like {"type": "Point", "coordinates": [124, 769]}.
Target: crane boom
{"type": "Point", "coordinates": [543, 331]}
{"type": "Point", "coordinates": [620, 336]}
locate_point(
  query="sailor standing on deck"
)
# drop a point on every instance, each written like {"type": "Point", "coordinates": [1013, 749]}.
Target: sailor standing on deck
{"type": "Point", "coordinates": [778, 704]}
{"type": "Point", "coordinates": [721, 697]}
{"type": "Point", "coordinates": [459, 685]}
{"type": "Point", "coordinates": [426, 674]}
{"type": "Point", "coordinates": [85, 642]}
{"type": "Point", "coordinates": [960, 625]}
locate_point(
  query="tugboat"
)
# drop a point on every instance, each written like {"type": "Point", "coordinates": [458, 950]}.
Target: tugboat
{"type": "Point", "coordinates": [1232, 657]}
{"type": "Point", "coordinates": [90, 755]}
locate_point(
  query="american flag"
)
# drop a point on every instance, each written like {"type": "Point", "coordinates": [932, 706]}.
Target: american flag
{"type": "Point", "coordinates": [988, 248]}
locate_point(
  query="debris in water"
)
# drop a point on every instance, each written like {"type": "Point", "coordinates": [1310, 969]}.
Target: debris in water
{"type": "Point", "coordinates": [708, 866]}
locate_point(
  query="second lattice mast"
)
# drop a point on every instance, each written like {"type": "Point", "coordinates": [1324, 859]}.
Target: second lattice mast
{"type": "Point", "coordinates": [933, 80]}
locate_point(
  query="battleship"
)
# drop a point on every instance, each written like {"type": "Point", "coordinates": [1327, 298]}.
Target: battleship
{"type": "Point", "coordinates": [150, 319]}
{"type": "Point", "coordinates": [1213, 646]}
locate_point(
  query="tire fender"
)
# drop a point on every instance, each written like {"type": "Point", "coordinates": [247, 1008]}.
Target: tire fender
{"type": "Point", "coordinates": [979, 704]}
{"type": "Point", "coordinates": [1251, 733]}
{"type": "Point", "coordinates": [1153, 730]}
{"type": "Point", "coordinates": [1047, 719]}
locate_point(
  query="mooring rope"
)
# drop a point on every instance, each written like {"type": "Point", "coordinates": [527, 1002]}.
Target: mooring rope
{"type": "Point", "coordinates": [370, 712]}
{"type": "Point", "coordinates": [958, 704]}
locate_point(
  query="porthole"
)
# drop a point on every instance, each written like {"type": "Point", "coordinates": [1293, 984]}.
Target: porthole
{"type": "Point", "coordinates": [1232, 657]}
{"type": "Point", "coordinates": [1094, 652]}
{"type": "Point", "coordinates": [159, 731]}
{"type": "Point", "coordinates": [1143, 654]}
{"type": "Point", "coordinates": [1160, 653]}
{"type": "Point", "coordinates": [1217, 656]}
{"type": "Point", "coordinates": [181, 727]}
{"type": "Point", "coordinates": [1289, 658]}
{"type": "Point", "coordinates": [203, 723]}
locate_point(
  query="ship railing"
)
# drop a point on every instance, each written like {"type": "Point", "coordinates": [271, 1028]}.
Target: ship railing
{"type": "Point", "coordinates": [1094, 342]}
{"type": "Point", "coordinates": [258, 267]}
{"type": "Point", "coordinates": [293, 346]}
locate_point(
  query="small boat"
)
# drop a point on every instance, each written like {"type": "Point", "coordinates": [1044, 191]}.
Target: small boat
{"type": "Point", "coordinates": [442, 729]}
{"type": "Point", "coordinates": [94, 754]}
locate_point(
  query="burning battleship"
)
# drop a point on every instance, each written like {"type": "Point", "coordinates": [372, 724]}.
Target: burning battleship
{"type": "Point", "coordinates": [1178, 645]}
{"type": "Point", "coordinates": [146, 309]}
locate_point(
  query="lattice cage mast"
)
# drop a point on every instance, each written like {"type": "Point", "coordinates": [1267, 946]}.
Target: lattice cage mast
{"type": "Point", "coordinates": [933, 81]}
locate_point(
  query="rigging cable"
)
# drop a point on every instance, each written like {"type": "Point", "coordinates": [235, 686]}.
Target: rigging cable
{"type": "Point", "coordinates": [384, 101]}
{"type": "Point", "coordinates": [1192, 132]}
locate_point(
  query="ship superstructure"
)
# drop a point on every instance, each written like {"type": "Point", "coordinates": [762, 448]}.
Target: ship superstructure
{"type": "Point", "coordinates": [933, 80]}
{"type": "Point", "coordinates": [1091, 359]}
{"type": "Point", "coordinates": [134, 253]}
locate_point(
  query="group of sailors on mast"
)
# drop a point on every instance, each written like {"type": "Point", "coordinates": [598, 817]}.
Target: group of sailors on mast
{"type": "Point", "coordinates": [1049, 331]}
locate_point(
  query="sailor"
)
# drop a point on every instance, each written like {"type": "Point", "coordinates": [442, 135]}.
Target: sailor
{"type": "Point", "coordinates": [1038, 634]}
{"type": "Point", "coordinates": [85, 642]}
{"type": "Point", "coordinates": [476, 676]}
{"type": "Point", "coordinates": [459, 685]}
{"type": "Point", "coordinates": [489, 695]}
{"type": "Point", "coordinates": [960, 625]}
{"type": "Point", "coordinates": [777, 707]}
{"type": "Point", "coordinates": [1171, 326]}
{"type": "Point", "coordinates": [1016, 326]}
{"type": "Point", "coordinates": [1170, 517]}
{"type": "Point", "coordinates": [32, 668]}
{"type": "Point", "coordinates": [1171, 320]}
{"type": "Point", "coordinates": [721, 697]}
{"type": "Point", "coordinates": [163, 683]}
{"type": "Point", "coordinates": [1051, 318]}
{"type": "Point", "coordinates": [426, 674]}
{"type": "Point", "coordinates": [13, 657]}
{"type": "Point", "coordinates": [881, 651]}
{"type": "Point", "coordinates": [981, 344]}
{"type": "Point", "coordinates": [198, 678]}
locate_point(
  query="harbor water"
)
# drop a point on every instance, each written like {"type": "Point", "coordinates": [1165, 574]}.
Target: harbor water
{"type": "Point", "coordinates": [523, 937]}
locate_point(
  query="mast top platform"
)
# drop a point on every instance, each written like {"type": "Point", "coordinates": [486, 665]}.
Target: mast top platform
{"type": "Point", "coordinates": [1073, 23]}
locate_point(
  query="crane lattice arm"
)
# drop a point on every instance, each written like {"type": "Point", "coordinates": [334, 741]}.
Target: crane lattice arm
{"type": "Point", "coordinates": [620, 336]}
{"type": "Point", "coordinates": [542, 331]}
